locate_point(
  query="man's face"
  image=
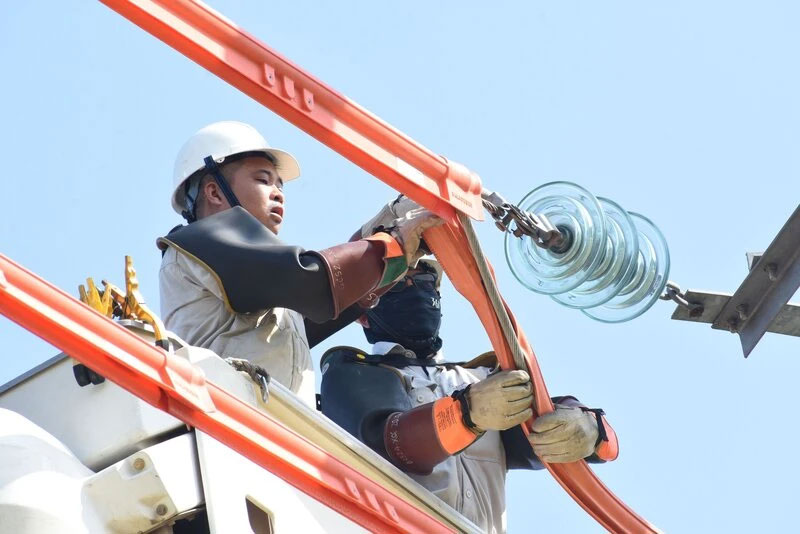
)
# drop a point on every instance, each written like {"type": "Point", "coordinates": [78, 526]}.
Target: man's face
{"type": "Point", "coordinates": [256, 184]}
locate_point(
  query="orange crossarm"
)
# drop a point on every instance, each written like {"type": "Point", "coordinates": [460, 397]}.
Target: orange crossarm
{"type": "Point", "coordinates": [436, 183]}
{"type": "Point", "coordinates": [179, 388]}
{"type": "Point", "coordinates": [218, 45]}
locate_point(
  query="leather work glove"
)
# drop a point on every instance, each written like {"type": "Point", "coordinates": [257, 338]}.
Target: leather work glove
{"type": "Point", "coordinates": [566, 434]}
{"type": "Point", "coordinates": [408, 232]}
{"type": "Point", "coordinates": [396, 209]}
{"type": "Point", "coordinates": [501, 400]}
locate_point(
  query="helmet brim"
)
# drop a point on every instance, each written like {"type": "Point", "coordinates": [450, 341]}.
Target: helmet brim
{"type": "Point", "coordinates": [287, 166]}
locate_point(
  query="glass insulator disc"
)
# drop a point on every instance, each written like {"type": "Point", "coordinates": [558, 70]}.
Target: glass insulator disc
{"type": "Point", "coordinates": [615, 268]}
{"type": "Point", "coordinates": [646, 282]}
{"type": "Point", "coordinates": [569, 207]}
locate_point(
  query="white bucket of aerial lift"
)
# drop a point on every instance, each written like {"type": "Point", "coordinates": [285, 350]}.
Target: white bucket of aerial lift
{"type": "Point", "coordinates": [221, 140]}
{"type": "Point", "coordinates": [99, 423]}
{"type": "Point", "coordinates": [40, 481]}
{"type": "Point", "coordinates": [153, 470]}
{"type": "Point", "coordinates": [44, 488]}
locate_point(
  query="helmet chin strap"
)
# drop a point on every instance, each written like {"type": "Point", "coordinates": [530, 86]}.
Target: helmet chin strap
{"type": "Point", "coordinates": [190, 213]}
{"type": "Point", "coordinates": [191, 188]}
{"type": "Point", "coordinates": [213, 170]}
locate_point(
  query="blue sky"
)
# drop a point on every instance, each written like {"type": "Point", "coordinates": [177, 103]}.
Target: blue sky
{"type": "Point", "coordinates": [686, 112]}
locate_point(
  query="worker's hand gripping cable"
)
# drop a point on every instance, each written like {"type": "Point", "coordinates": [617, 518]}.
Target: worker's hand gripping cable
{"type": "Point", "coordinates": [499, 402]}
{"type": "Point", "coordinates": [408, 231]}
{"type": "Point", "coordinates": [400, 222]}
{"type": "Point", "coordinates": [564, 435]}
{"type": "Point", "coordinates": [396, 209]}
{"type": "Point", "coordinates": [404, 220]}
{"type": "Point", "coordinates": [571, 433]}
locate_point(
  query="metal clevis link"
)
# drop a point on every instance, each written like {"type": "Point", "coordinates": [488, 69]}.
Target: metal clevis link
{"type": "Point", "coordinates": [673, 292]}
{"type": "Point", "coordinates": [538, 227]}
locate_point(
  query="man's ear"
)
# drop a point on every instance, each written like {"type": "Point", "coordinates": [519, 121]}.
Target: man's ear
{"type": "Point", "coordinates": [213, 194]}
{"type": "Point", "coordinates": [363, 321]}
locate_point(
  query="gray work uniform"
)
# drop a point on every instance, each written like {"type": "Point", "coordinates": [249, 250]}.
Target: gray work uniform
{"type": "Point", "coordinates": [193, 306]}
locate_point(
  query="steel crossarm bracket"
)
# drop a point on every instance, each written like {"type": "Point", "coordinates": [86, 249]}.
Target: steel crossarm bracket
{"type": "Point", "coordinates": [786, 321]}
{"type": "Point", "coordinates": [148, 372]}
{"type": "Point", "coordinates": [768, 286]}
{"type": "Point", "coordinates": [760, 303]}
{"type": "Point", "coordinates": [215, 43]}
{"type": "Point", "coordinates": [435, 182]}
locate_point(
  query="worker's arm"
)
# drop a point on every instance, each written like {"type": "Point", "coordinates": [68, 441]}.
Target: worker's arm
{"type": "Point", "coordinates": [387, 217]}
{"type": "Point", "coordinates": [370, 401]}
{"type": "Point", "coordinates": [256, 271]}
{"type": "Point", "coordinates": [360, 397]}
{"type": "Point", "coordinates": [318, 332]}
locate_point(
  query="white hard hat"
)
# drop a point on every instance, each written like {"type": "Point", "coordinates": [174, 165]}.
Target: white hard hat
{"type": "Point", "coordinates": [221, 140]}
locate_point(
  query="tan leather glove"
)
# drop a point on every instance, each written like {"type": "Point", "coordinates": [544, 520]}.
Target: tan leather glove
{"type": "Point", "coordinates": [500, 401]}
{"type": "Point", "coordinates": [385, 218]}
{"type": "Point", "coordinates": [408, 232]}
{"type": "Point", "coordinates": [564, 435]}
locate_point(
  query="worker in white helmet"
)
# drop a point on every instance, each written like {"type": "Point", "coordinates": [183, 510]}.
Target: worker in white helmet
{"type": "Point", "coordinates": [230, 285]}
{"type": "Point", "coordinates": [453, 427]}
